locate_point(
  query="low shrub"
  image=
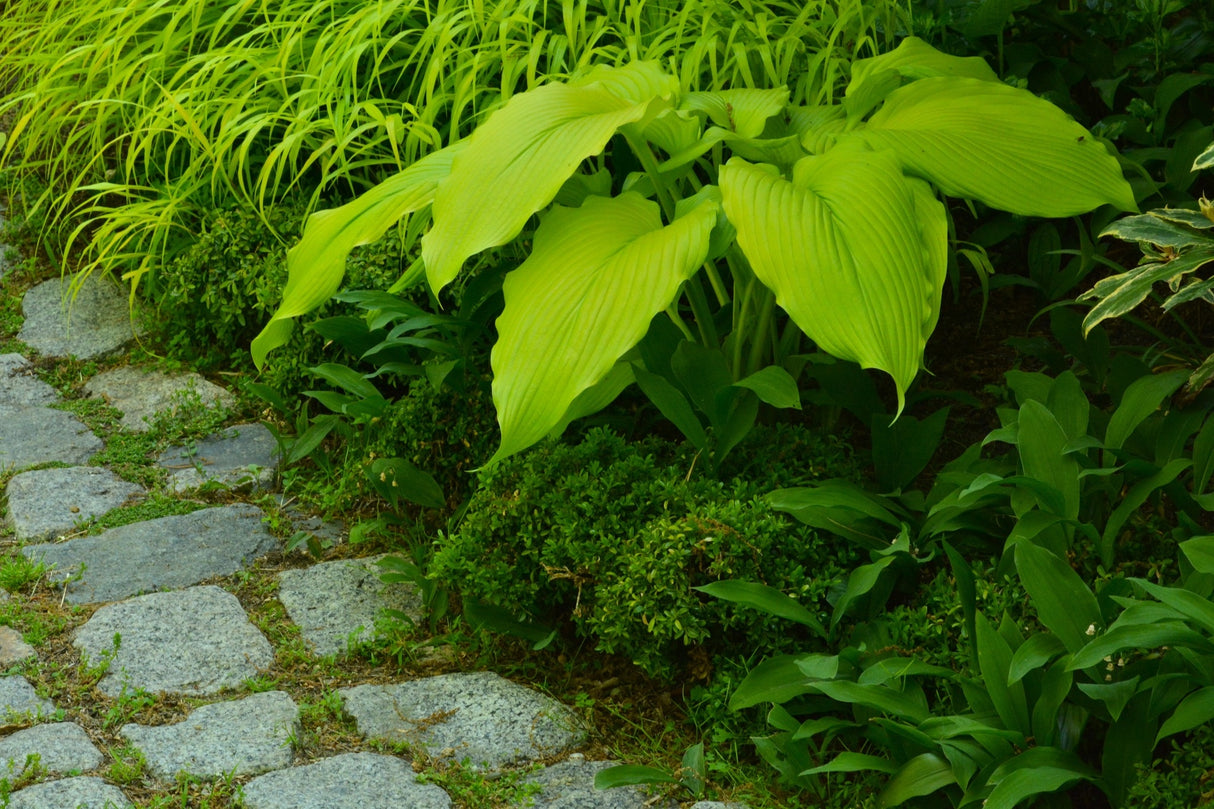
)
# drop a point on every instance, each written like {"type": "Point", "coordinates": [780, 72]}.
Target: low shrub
{"type": "Point", "coordinates": [613, 536]}
{"type": "Point", "coordinates": [212, 297]}
{"type": "Point", "coordinates": [1184, 776]}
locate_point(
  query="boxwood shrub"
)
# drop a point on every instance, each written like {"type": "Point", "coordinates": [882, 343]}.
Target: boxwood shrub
{"type": "Point", "coordinates": [611, 536]}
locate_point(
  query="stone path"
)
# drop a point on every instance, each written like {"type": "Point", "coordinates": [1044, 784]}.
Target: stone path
{"type": "Point", "coordinates": [159, 628]}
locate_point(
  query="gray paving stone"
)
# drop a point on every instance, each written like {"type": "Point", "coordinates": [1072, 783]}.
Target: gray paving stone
{"type": "Point", "coordinates": [18, 385]}
{"type": "Point", "coordinates": [157, 554]}
{"type": "Point", "coordinates": [47, 503]}
{"type": "Point", "coordinates": [477, 717]}
{"type": "Point", "coordinates": [38, 435]}
{"type": "Point", "coordinates": [17, 698]}
{"type": "Point", "coordinates": [81, 792]}
{"type": "Point", "coordinates": [328, 534]}
{"type": "Point", "coordinates": [141, 394]}
{"type": "Point", "coordinates": [570, 785]}
{"type": "Point", "coordinates": [332, 601]}
{"type": "Point", "coordinates": [6, 263]}
{"type": "Point", "coordinates": [718, 805]}
{"type": "Point", "coordinates": [241, 737]}
{"type": "Point", "coordinates": [95, 323]}
{"type": "Point", "coordinates": [241, 457]}
{"type": "Point", "coordinates": [60, 747]}
{"type": "Point", "coordinates": [350, 781]}
{"type": "Point", "coordinates": [195, 641]}
{"type": "Point", "coordinates": [13, 648]}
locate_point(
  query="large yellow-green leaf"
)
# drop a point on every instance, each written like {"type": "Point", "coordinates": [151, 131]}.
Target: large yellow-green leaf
{"type": "Point", "coordinates": [853, 249]}
{"type": "Point", "coordinates": [517, 160]}
{"type": "Point", "coordinates": [743, 111]}
{"type": "Point", "coordinates": [915, 59]}
{"type": "Point", "coordinates": [1004, 146]}
{"type": "Point", "coordinates": [316, 265]}
{"type": "Point", "coordinates": [874, 78]}
{"type": "Point", "coordinates": [597, 276]}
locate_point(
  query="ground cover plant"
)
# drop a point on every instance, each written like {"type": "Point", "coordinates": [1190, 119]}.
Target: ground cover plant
{"type": "Point", "coordinates": [1001, 597]}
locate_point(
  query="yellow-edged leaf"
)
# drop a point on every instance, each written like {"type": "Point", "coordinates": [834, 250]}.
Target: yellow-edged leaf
{"type": "Point", "coordinates": [596, 278]}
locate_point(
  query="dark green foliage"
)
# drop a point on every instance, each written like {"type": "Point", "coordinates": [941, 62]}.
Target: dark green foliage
{"type": "Point", "coordinates": [444, 431]}
{"type": "Point", "coordinates": [614, 535]}
{"type": "Point", "coordinates": [1184, 776]}
{"type": "Point", "coordinates": [217, 294]}
{"type": "Point", "coordinates": [212, 296]}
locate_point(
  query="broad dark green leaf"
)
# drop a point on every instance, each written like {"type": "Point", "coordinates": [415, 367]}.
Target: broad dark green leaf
{"type": "Point", "coordinates": [922, 775]}
{"type": "Point", "coordinates": [672, 404]}
{"type": "Point", "coordinates": [1127, 744]}
{"type": "Point", "coordinates": [625, 775]}
{"type": "Point", "coordinates": [1034, 654]}
{"type": "Point", "coordinates": [1138, 636]}
{"type": "Point", "coordinates": [1064, 603]}
{"type": "Point", "coordinates": [1195, 608]}
{"type": "Point", "coordinates": [1069, 404]}
{"type": "Point", "coordinates": [777, 679]}
{"type": "Point", "coordinates": [498, 619]}
{"type": "Point", "coordinates": [703, 373]}
{"type": "Point", "coordinates": [894, 668]}
{"type": "Point", "coordinates": [1040, 442]}
{"type": "Point", "coordinates": [1056, 684]}
{"type": "Point", "coordinates": [1203, 456]}
{"type": "Point", "coordinates": [902, 449]}
{"type": "Point", "coordinates": [1200, 553]}
{"type": "Point", "coordinates": [397, 478]}
{"type": "Point", "coordinates": [1196, 709]}
{"type": "Point", "coordinates": [860, 582]}
{"type": "Point", "coordinates": [899, 704]}
{"type": "Point", "coordinates": [994, 660]}
{"type": "Point", "coordinates": [1135, 497]}
{"type": "Point", "coordinates": [1142, 398]}
{"type": "Point", "coordinates": [346, 378]}
{"type": "Point", "coordinates": [773, 385]}
{"type": "Point", "coordinates": [310, 439]}
{"type": "Point", "coordinates": [854, 762]}
{"type": "Point", "coordinates": [1114, 695]}
{"type": "Point", "coordinates": [831, 493]}
{"type": "Point", "coordinates": [1035, 772]}
{"type": "Point", "coordinates": [762, 597]}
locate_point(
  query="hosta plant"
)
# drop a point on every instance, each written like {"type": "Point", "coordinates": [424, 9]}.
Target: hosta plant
{"type": "Point", "coordinates": [712, 209]}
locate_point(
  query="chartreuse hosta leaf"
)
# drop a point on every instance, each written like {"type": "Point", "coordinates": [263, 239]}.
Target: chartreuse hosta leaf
{"type": "Point", "coordinates": [517, 160]}
{"type": "Point", "coordinates": [874, 78]}
{"type": "Point", "coordinates": [316, 265]}
{"type": "Point", "coordinates": [597, 276]}
{"type": "Point", "coordinates": [1003, 146]}
{"type": "Point", "coordinates": [854, 251]}
{"type": "Point", "coordinates": [744, 111]}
